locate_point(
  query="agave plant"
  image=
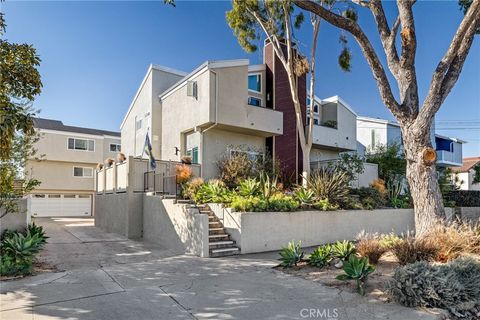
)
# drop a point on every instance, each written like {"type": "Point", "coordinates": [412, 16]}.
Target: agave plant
{"type": "Point", "coordinates": [33, 229]}
{"type": "Point", "coordinates": [249, 187]}
{"type": "Point", "coordinates": [304, 196]}
{"type": "Point", "coordinates": [291, 254]}
{"type": "Point", "coordinates": [343, 250]}
{"type": "Point", "coordinates": [21, 247]}
{"type": "Point", "coordinates": [268, 186]}
{"type": "Point", "coordinates": [212, 191]}
{"type": "Point", "coordinates": [321, 256]}
{"type": "Point", "coordinates": [356, 269]}
{"type": "Point", "coordinates": [331, 184]}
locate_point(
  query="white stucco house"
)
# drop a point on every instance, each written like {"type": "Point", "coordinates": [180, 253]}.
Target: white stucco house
{"type": "Point", "coordinates": [372, 132]}
{"type": "Point", "coordinates": [66, 169]}
{"type": "Point", "coordinates": [231, 106]}
{"type": "Point", "coordinates": [467, 172]}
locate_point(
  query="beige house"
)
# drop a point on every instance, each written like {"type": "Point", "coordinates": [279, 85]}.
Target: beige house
{"type": "Point", "coordinates": [230, 106]}
{"type": "Point", "coordinates": [66, 171]}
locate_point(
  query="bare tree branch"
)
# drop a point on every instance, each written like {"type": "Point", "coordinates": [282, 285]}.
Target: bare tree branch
{"type": "Point", "coordinates": [316, 27]}
{"type": "Point", "coordinates": [367, 49]}
{"type": "Point", "coordinates": [388, 41]}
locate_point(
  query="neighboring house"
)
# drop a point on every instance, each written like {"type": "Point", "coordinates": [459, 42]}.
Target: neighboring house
{"type": "Point", "coordinates": [231, 106]}
{"type": "Point", "coordinates": [66, 171]}
{"type": "Point", "coordinates": [372, 132]}
{"type": "Point", "coordinates": [467, 172]}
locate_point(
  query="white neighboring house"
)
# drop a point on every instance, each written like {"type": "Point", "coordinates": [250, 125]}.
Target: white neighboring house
{"type": "Point", "coordinates": [66, 171]}
{"type": "Point", "coordinates": [466, 173]}
{"type": "Point", "coordinates": [372, 132]}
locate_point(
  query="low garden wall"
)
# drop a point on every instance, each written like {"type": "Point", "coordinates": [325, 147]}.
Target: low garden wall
{"type": "Point", "coordinates": [469, 214]}
{"type": "Point", "coordinates": [268, 231]}
{"type": "Point", "coordinates": [16, 221]}
{"type": "Point", "coordinates": [175, 226]}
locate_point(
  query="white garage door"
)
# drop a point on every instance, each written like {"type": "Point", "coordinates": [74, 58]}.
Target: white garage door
{"type": "Point", "coordinates": [61, 205]}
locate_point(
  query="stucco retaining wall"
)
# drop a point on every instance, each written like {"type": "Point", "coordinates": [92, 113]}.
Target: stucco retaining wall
{"type": "Point", "coordinates": [16, 221]}
{"type": "Point", "coordinates": [470, 214]}
{"type": "Point", "coordinates": [120, 213]}
{"type": "Point", "coordinates": [175, 226]}
{"type": "Point", "coordinates": [268, 231]}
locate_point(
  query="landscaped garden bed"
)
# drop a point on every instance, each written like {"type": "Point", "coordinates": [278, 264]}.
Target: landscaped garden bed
{"type": "Point", "coordinates": [438, 270]}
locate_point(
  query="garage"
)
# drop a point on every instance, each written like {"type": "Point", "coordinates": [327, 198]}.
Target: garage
{"type": "Point", "coordinates": [61, 205]}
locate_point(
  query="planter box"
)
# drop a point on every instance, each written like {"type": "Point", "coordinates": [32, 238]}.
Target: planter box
{"type": "Point", "coordinates": [268, 231]}
{"type": "Point", "coordinates": [17, 221]}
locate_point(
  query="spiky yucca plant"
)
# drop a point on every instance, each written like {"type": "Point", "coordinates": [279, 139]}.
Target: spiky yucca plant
{"type": "Point", "coordinates": [331, 184]}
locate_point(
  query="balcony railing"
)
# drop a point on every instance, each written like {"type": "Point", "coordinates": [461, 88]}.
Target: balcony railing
{"type": "Point", "coordinates": [449, 157]}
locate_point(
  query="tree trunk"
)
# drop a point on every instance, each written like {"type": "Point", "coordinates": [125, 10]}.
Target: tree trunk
{"type": "Point", "coordinates": [423, 182]}
{"type": "Point", "coordinates": [306, 166]}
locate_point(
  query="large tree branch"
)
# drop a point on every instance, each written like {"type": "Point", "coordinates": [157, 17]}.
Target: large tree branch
{"type": "Point", "coordinates": [366, 47]}
{"type": "Point", "coordinates": [386, 36]}
{"type": "Point", "coordinates": [316, 27]}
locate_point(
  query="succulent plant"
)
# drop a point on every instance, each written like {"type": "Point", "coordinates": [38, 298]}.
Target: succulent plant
{"type": "Point", "coordinates": [356, 269]}
{"type": "Point", "coordinates": [321, 256]}
{"type": "Point", "coordinates": [291, 255]}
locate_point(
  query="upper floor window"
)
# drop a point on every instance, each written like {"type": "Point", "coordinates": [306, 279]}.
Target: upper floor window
{"type": "Point", "coordinates": [193, 153]}
{"type": "Point", "coordinates": [252, 101]}
{"type": "Point", "coordinates": [82, 172]}
{"type": "Point", "coordinates": [115, 147]}
{"type": "Point", "coordinates": [138, 124]}
{"type": "Point", "coordinates": [255, 82]}
{"type": "Point", "coordinates": [81, 144]}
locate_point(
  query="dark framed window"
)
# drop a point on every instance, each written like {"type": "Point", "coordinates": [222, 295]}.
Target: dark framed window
{"type": "Point", "coordinates": [255, 82]}
{"type": "Point", "coordinates": [252, 101]}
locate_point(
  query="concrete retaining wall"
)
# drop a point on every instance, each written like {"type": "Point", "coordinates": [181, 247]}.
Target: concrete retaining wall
{"type": "Point", "coordinates": [120, 213]}
{"type": "Point", "coordinates": [16, 221]}
{"type": "Point", "coordinates": [268, 231]}
{"type": "Point", "coordinates": [175, 226]}
{"type": "Point", "coordinates": [470, 214]}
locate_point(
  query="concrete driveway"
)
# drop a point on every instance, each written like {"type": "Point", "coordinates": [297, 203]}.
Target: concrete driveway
{"type": "Point", "coordinates": [105, 276]}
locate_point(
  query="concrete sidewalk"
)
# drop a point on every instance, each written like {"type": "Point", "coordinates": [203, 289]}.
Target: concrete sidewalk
{"type": "Point", "coordinates": [106, 276]}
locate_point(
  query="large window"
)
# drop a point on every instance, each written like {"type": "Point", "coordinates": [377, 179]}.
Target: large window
{"type": "Point", "coordinates": [252, 101]}
{"type": "Point", "coordinates": [138, 124]}
{"type": "Point", "coordinates": [81, 144]}
{"type": "Point", "coordinates": [255, 82]}
{"type": "Point", "coordinates": [115, 147]}
{"type": "Point", "coordinates": [82, 172]}
{"type": "Point", "coordinates": [193, 153]}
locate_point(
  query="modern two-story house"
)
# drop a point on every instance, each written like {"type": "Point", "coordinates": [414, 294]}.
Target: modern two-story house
{"type": "Point", "coordinates": [231, 106]}
{"type": "Point", "coordinates": [372, 132]}
{"type": "Point", "coordinates": [66, 169]}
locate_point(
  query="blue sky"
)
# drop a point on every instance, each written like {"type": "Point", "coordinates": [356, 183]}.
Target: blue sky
{"type": "Point", "coordinates": [95, 54]}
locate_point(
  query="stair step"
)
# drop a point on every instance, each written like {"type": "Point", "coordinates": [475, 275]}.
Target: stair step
{"type": "Point", "coordinates": [216, 229]}
{"type": "Point", "coordinates": [224, 252]}
{"type": "Point", "coordinates": [217, 236]}
{"type": "Point", "coordinates": [221, 243]}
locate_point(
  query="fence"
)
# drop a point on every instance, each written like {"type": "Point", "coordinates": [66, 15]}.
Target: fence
{"type": "Point", "coordinates": [370, 172]}
{"type": "Point", "coordinates": [135, 174]}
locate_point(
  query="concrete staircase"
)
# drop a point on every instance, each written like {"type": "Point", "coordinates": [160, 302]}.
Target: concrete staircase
{"type": "Point", "coordinates": [220, 244]}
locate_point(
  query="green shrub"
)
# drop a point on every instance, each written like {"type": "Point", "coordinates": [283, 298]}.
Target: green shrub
{"type": "Point", "coordinates": [249, 187]}
{"type": "Point", "coordinates": [321, 256]}
{"type": "Point", "coordinates": [304, 196]}
{"type": "Point", "coordinates": [371, 198]}
{"type": "Point", "coordinates": [330, 184]}
{"type": "Point", "coordinates": [464, 198]}
{"type": "Point", "coordinates": [325, 205]}
{"type": "Point", "coordinates": [291, 255]}
{"type": "Point", "coordinates": [191, 188]}
{"type": "Point", "coordinates": [268, 186]}
{"type": "Point", "coordinates": [454, 286]}
{"type": "Point", "coordinates": [343, 250]}
{"type": "Point", "coordinates": [248, 204]}
{"type": "Point", "coordinates": [356, 269]}
{"type": "Point", "coordinates": [212, 191]}
{"type": "Point", "coordinates": [282, 202]}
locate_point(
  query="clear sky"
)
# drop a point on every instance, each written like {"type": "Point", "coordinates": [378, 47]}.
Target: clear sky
{"type": "Point", "coordinates": [95, 54]}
